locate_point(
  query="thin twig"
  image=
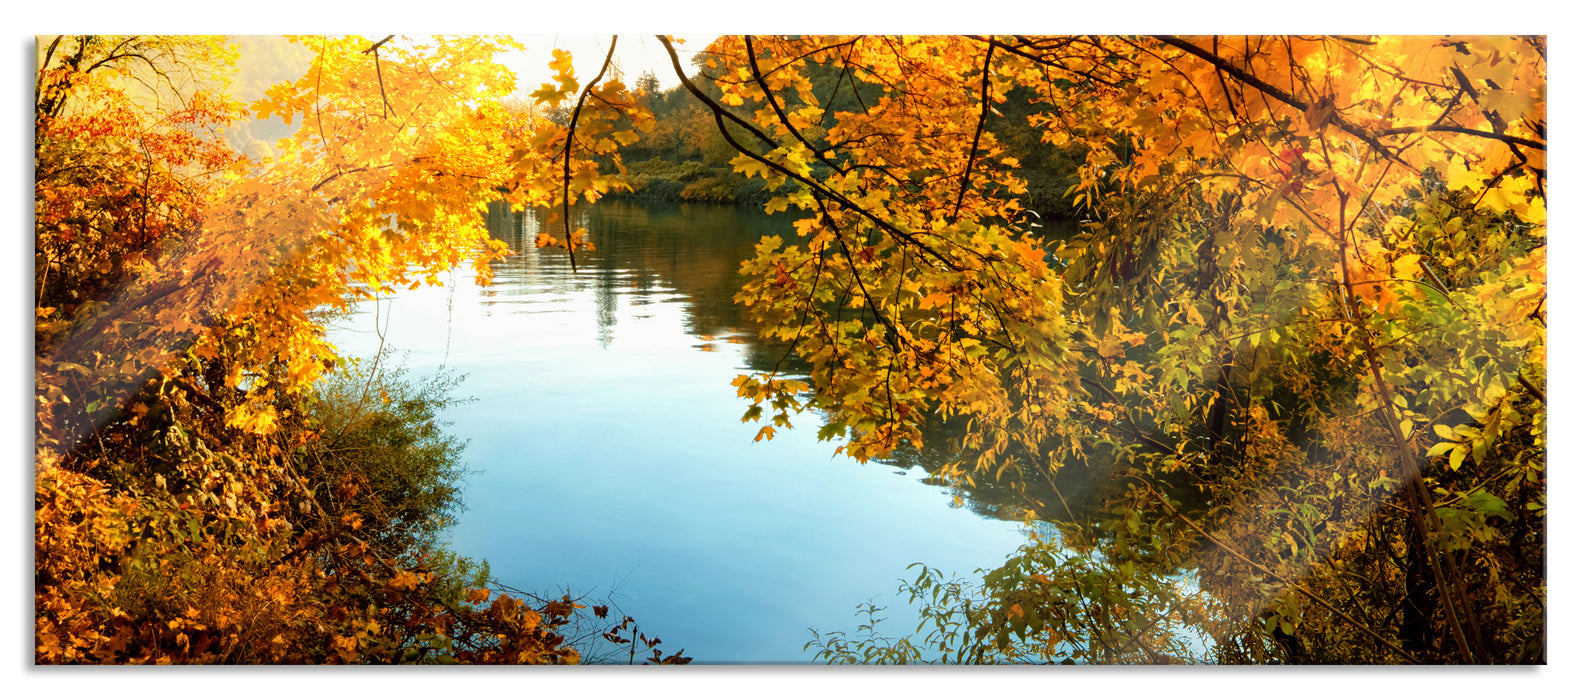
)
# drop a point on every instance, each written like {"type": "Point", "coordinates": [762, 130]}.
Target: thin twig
{"type": "Point", "coordinates": [1368, 630]}
{"type": "Point", "coordinates": [571, 138]}
{"type": "Point", "coordinates": [983, 118]}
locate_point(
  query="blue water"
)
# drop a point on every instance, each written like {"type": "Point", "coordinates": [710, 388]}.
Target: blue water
{"type": "Point", "coordinates": [610, 459]}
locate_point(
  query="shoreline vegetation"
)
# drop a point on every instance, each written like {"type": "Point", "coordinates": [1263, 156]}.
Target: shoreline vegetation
{"type": "Point", "coordinates": [1301, 333]}
{"type": "Point", "coordinates": [685, 158]}
{"type": "Point", "coordinates": [213, 482]}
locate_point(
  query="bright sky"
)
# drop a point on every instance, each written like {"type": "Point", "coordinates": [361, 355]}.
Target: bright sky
{"type": "Point", "coordinates": [270, 59]}
{"type": "Point", "coordinates": [634, 54]}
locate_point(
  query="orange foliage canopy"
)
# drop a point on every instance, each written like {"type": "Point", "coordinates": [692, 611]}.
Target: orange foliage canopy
{"type": "Point", "coordinates": [178, 290]}
{"type": "Point", "coordinates": [1281, 232]}
{"type": "Point", "coordinates": [1262, 210]}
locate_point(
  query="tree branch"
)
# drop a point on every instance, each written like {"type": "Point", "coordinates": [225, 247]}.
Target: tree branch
{"type": "Point", "coordinates": [1507, 138]}
{"type": "Point", "coordinates": [983, 118]}
{"type": "Point", "coordinates": [380, 74]}
{"type": "Point", "coordinates": [571, 138]}
{"type": "Point", "coordinates": [1278, 94]}
{"type": "Point", "coordinates": [759, 77]}
{"type": "Point", "coordinates": [721, 114]}
{"type": "Point", "coordinates": [1366, 629]}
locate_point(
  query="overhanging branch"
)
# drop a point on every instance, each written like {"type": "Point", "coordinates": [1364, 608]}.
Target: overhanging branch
{"type": "Point", "coordinates": [1257, 83]}
{"type": "Point", "coordinates": [721, 115]}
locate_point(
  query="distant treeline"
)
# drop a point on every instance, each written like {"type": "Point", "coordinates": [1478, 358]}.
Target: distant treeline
{"type": "Point", "coordinates": [685, 158]}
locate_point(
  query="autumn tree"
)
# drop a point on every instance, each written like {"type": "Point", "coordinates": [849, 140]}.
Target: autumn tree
{"type": "Point", "coordinates": [1303, 330]}
{"type": "Point", "coordinates": [191, 501]}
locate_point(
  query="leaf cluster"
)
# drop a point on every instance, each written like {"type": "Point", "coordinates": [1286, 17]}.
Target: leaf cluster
{"type": "Point", "coordinates": [202, 494]}
{"type": "Point", "coordinates": [1308, 294]}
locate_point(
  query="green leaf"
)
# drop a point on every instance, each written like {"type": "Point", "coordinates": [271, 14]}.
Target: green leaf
{"type": "Point", "coordinates": [1489, 505]}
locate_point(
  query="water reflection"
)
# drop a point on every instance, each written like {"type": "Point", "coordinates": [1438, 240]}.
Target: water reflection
{"type": "Point", "coordinates": [609, 453]}
{"type": "Point", "coordinates": [649, 253]}
{"type": "Point", "coordinates": [655, 253]}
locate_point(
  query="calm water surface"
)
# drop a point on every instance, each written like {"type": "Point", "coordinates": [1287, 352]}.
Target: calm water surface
{"type": "Point", "coordinates": [610, 455]}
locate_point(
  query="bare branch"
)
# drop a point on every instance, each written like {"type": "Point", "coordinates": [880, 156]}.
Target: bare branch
{"type": "Point", "coordinates": [571, 138]}
{"type": "Point", "coordinates": [983, 118]}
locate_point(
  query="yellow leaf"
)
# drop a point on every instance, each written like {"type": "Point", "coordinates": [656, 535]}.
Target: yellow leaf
{"type": "Point", "coordinates": [1406, 267]}
{"type": "Point", "coordinates": [561, 63]}
{"type": "Point", "coordinates": [1459, 176]}
{"type": "Point", "coordinates": [1510, 105]}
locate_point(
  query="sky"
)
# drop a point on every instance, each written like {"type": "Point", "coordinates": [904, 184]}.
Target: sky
{"type": "Point", "coordinates": [268, 59]}
{"type": "Point", "coordinates": [634, 54]}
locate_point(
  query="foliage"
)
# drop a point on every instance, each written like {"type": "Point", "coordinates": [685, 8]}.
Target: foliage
{"type": "Point", "coordinates": [684, 157]}
{"type": "Point", "coordinates": [868, 648]}
{"type": "Point", "coordinates": [1302, 333]}
{"type": "Point", "coordinates": [200, 495]}
{"type": "Point", "coordinates": [1303, 330]}
{"type": "Point", "coordinates": [1046, 604]}
{"type": "Point", "coordinates": [381, 446]}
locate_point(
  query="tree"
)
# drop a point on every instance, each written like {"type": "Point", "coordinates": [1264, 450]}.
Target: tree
{"type": "Point", "coordinates": [192, 504]}
{"type": "Point", "coordinates": [1302, 334]}
{"type": "Point", "coordinates": [1304, 329]}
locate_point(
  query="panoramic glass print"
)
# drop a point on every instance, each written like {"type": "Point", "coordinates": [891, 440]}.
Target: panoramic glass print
{"type": "Point", "coordinates": [790, 349]}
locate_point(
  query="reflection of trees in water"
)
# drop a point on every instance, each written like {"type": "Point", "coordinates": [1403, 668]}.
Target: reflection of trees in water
{"type": "Point", "coordinates": [646, 249]}
{"type": "Point", "coordinates": [695, 251]}
{"type": "Point", "coordinates": [604, 303]}
{"type": "Point", "coordinates": [1074, 492]}
{"type": "Point", "coordinates": [507, 226]}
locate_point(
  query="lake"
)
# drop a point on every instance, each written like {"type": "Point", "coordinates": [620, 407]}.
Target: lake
{"type": "Point", "coordinates": [609, 454]}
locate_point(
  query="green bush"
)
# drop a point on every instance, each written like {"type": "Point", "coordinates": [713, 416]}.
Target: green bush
{"type": "Point", "coordinates": [383, 454]}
